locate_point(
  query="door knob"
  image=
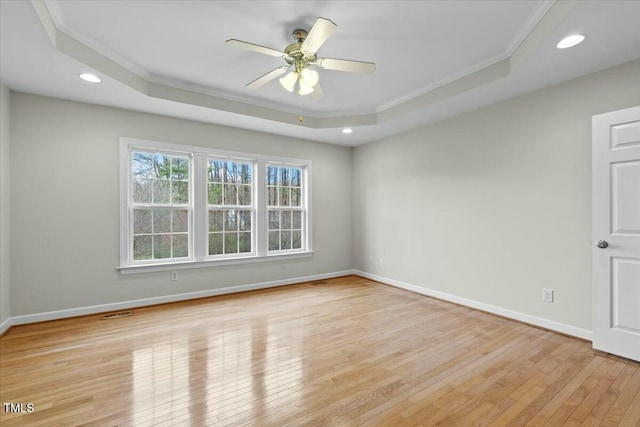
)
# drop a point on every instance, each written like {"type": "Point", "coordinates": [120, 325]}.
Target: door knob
{"type": "Point", "coordinates": [602, 244]}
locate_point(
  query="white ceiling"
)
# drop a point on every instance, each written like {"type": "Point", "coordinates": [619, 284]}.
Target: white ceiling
{"type": "Point", "coordinates": [434, 59]}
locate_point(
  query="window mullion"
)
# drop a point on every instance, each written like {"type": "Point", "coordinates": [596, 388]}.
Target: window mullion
{"type": "Point", "coordinates": [200, 210]}
{"type": "Point", "coordinates": [307, 209]}
{"type": "Point", "coordinates": [261, 208]}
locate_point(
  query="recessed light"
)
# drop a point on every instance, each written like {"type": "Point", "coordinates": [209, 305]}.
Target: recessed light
{"type": "Point", "coordinates": [91, 78]}
{"type": "Point", "coordinates": [570, 41]}
{"type": "Point", "coordinates": [347, 130]}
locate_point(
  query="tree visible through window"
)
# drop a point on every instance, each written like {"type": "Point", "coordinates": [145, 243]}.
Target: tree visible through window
{"type": "Point", "coordinates": [187, 204]}
{"type": "Point", "coordinates": [230, 206]}
{"type": "Point", "coordinates": [160, 206]}
{"type": "Point", "coordinates": [285, 207]}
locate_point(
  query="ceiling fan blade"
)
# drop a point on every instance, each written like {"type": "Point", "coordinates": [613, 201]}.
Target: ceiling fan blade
{"type": "Point", "coordinates": [267, 77]}
{"type": "Point", "coordinates": [346, 65]}
{"type": "Point", "coordinates": [254, 47]}
{"type": "Point", "coordinates": [317, 92]}
{"type": "Point", "coordinates": [319, 33]}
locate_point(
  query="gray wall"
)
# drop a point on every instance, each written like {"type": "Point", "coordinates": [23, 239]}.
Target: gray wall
{"type": "Point", "coordinates": [64, 210]}
{"type": "Point", "coordinates": [5, 261]}
{"type": "Point", "coordinates": [492, 205]}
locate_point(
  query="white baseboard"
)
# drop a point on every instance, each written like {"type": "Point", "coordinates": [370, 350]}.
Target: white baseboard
{"type": "Point", "coordinates": [5, 325]}
{"type": "Point", "coordinates": [94, 309]}
{"type": "Point", "coordinates": [522, 317]}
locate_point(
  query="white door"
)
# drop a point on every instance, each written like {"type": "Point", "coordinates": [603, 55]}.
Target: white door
{"type": "Point", "coordinates": [616, 232]}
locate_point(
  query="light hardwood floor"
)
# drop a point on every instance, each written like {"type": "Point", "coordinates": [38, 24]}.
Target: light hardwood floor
{"type": "Point", "coordinates": [345, 351]}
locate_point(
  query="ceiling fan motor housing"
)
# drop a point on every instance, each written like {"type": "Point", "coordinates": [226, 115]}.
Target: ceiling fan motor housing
{"type": "Point", "coordinates": [295, 55]}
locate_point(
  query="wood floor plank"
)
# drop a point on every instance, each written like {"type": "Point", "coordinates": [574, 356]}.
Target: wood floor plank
{"type": "Point", "coordinates": [349, 351]}
{"type": "Point", "coordinates": [478, 397]}
{"type": "Point", "coordinates": [631, 417]}
{"type": "Point", "coordinates": [625, 388]}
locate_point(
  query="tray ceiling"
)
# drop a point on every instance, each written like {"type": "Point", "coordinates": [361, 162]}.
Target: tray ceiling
{"type": "Point", "coordinates": [433, 59]}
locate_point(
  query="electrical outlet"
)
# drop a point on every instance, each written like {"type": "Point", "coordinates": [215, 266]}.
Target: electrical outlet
{"type": "Point", "coordinates": [381, 262]}
{"type": "Point", "coordinates": [174, 276]}
{"type": "Point", "coordinates": [370, 260]}
{"type": "Point", "coordinates": [547, 295]}
{"type": "Point", "coordinates": [283, 265]}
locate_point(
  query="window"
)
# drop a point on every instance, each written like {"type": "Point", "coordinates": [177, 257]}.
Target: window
{"type": "Point", "coordinates": [230, 206]}
{"type": "Point", "coordinates": [184, 206]}
{"type": "Point", "coordinates": [160, 208]}
{"type": "Point", "coordinates": [285, 207]}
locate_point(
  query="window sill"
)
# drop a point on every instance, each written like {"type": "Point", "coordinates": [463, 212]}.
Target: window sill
{"type": "Point", "coordinates": [188, 265]}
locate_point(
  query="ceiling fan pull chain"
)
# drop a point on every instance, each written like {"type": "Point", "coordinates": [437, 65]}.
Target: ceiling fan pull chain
{"type": "Point", "coordinates": [300, 108]}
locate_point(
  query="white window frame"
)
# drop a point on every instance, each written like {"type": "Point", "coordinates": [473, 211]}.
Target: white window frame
{"type": "Point", "coordinates": [198, 231]}
{"type": "Point", "coordinates": [301, 208]}
{"type": "Point", "coordinates": [152, 206]}
{"type": "Point", "coordinates": [253, 208]}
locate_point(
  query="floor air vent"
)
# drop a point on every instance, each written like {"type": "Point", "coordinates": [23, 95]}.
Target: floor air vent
{"type": "Point", "coordinates": [119, 314]}
{"type": "Point", "coordinates": [319, 282]}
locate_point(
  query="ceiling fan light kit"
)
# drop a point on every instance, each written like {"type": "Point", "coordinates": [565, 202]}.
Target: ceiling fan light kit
{"type": "Point", "coordinates": [299, 56]}
{"type": "Point", "coordinates": [289, 81]}
{"type": "Point", "coordinates": [307, 81]}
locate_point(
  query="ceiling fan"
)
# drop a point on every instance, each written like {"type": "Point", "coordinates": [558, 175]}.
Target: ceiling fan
{"type": "Point", "coordinates": [299, 55]}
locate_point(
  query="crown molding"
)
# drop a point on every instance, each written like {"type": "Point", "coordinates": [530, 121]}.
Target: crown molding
{"type": "Point", "coordinates": [58, 20]}
{"type": "Point", "coordinates": [107, 62]}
